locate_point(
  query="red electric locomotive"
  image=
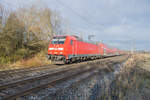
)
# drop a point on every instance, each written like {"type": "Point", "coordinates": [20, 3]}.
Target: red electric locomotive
{"type": "Point", "coordinates": [71, 48]}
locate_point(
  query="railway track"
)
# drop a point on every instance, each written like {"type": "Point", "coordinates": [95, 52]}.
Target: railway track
{"type": "Point", "coordinates": [11, 75]}
{"type": "Point", "coordinates": [18, 74]}
{"type": "Point", "coordinates": [23, 87]}
{"type": "Point", "coordinates": [25, 70]}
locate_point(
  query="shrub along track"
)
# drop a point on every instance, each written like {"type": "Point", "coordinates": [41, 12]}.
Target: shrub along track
{"type": "Point", "coordinates": [23, 87]}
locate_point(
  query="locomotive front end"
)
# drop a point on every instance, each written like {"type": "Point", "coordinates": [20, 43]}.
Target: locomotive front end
{"type": "Point", "coordinates": [56, 49]}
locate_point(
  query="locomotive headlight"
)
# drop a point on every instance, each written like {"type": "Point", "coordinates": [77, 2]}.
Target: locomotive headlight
{"type": "Point", "coordinates": [60, 48]}
{"type": "Point", "coordinates": [61, 53]}
{"type": "Point", "coordinates": [51, 48]}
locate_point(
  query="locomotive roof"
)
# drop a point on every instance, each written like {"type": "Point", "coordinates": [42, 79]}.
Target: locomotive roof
{"type": "Point", "coordinates": [76, 37]}
{"type": "Point", "coordinates": [80, 39]}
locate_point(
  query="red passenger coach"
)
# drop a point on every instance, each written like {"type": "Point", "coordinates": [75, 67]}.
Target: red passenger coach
{"type": "Point", "coordinates": [71, 48]}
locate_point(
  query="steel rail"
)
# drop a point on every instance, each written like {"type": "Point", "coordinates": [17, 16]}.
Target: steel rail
{"type": "Point", "coordinates": [37, 77]}
{"type": "Point", "coordinates": [51, 83]}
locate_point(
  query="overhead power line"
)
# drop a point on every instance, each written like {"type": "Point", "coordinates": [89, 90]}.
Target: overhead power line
{"type": "Point", "coordinates": [73, 11]}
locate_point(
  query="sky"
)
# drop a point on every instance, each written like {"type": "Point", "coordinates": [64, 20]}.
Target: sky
{"type": "Point", "coordinates": [120, 23]}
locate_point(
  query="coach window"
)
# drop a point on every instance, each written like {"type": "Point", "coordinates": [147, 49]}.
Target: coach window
{"type": "Point", "coordinates": [71, 42]}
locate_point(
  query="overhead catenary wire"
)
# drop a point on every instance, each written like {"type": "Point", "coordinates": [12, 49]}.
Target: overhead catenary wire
{"type": "Point", "coordinates": [79, 15]}
{"type": "Point", "coordinates": [75, 12]}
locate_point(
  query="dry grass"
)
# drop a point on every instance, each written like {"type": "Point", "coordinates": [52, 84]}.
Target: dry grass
{"type": "Point", "coordinates": [132, 83]}
{"type": "Point", "coordinates": [38, 60]}
{"type": "Point", "coordinates": [144, 61]}
{"type": "Point", "coordinates": [130, 63]}
{"type": "Point", "coordinates": [136, 60]}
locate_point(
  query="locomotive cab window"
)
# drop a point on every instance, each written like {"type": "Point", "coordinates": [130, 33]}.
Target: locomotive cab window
{"type": "Point", "coordinates": [71, 42]}
{"type": "Point", "coordinates": [58, 40]}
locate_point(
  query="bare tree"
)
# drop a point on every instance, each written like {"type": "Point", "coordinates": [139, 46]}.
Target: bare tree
{"type": "Point", "coordinates": [1, 14]}
{"type": "Point", "coordinates": [26, 31]}
{"type": "Point", "coordinates": [40, 22]}
{"type": "Point", "coordinates": [4, 13]}
{"type": "Point", "coordinates": [56, 22]}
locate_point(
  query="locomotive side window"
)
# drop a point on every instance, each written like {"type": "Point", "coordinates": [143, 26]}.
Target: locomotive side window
{"type": "Point", "coordinates": [58, 40]}
{"type": "Point", "coordinates": [71, 42]}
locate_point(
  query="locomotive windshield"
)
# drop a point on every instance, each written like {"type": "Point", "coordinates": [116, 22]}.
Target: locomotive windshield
{"type": "Point", "coordinates": [58, 40]}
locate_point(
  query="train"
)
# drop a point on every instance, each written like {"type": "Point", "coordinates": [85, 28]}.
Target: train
{"type": "Point", "coordinates": [71, 48]}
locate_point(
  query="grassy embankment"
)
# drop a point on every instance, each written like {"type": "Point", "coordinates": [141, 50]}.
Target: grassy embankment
{"type": "Point", "coordinates": [38, 59]}
{"type": "Point", "coordinates": [133, 83]}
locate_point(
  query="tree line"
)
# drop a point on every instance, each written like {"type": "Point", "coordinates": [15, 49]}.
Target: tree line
{"type": "Point", "coordinates": [26, 31]}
